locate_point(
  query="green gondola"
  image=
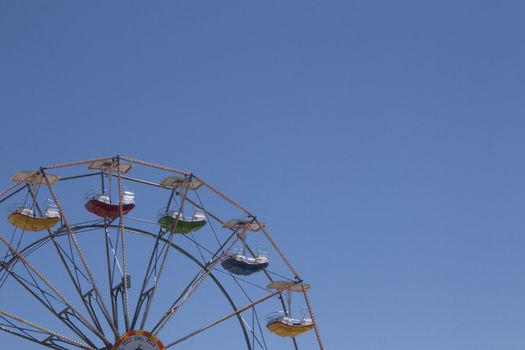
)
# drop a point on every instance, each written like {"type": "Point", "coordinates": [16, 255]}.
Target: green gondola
{"type": "Point", "coordinates": [184, 225]}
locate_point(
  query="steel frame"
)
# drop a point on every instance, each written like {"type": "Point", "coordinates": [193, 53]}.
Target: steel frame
{"type": "Point", "coordinates": [46, 294]}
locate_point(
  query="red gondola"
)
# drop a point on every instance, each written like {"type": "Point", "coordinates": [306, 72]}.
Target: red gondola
{"type": "Point", "coordinates": [101, 205]}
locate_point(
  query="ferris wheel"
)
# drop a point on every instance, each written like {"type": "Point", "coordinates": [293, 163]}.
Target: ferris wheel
{"type": "Point", "coordinates": [117, 253]}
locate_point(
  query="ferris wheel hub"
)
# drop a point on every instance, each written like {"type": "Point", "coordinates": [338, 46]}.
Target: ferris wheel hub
{"type": "Point", "coordinates": [138, 340]}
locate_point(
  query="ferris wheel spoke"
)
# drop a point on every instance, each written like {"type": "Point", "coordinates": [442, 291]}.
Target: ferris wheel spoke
{"type": "Point", "coordinates": [64, 256]}
{"type": "Point", "coordinates": [44, 297]}
{"type": "Point", "coordinates": [255, 338]}
{"type": "Point", "coordinates": [125, 278]}
{"type": "Point", "coordinates": [71, 309]}
{"type": "Point", "coordinates": [26, 334]}
{"type": "Point", "coordinates": [144, 293]}
{"type": "Point", "coordinates": [94, 293]}
{"type": "Point", "coordinates": [111, 262]}
{"type": "Point", "coordinates": [81, 228]}
{"type": "Point", "coordinates": [33, 332]}
{"type": "Point", "coordinates": [179, 302]}
{"type": "Point", "coordinates": [200, 274]}
{"type": "Point", "coordinates": [144, 298]}
{"type": "Point", "coordinates": [74, 273]}
{"type": "Point", "coordinates": [13, 261]}
{"type": "Point", "coordinates": [255, 316]}
{"type": "Point", "coordinates": [228, 316]}
{"type": "Point", "coordinates": [164, 254]}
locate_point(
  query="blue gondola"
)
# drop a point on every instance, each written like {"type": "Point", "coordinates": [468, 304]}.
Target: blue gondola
{"type": "Point", "coordinates": [240, 264]}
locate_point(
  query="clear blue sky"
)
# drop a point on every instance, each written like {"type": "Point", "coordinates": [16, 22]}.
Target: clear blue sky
{"type": "Point", "coordinates": [383, 140]}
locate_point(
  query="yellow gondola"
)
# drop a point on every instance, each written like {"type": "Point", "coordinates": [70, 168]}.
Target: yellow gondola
{"type": "Point", "coordinates": [289, 327]}
{"type": "Point", "coordinates": [281, 323]}
{"type": "Point", "coordinates": [23, 218]}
